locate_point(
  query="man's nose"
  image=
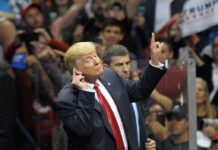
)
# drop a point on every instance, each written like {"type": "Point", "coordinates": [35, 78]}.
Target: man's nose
{"type": "Point", "coordinates": [96, 60]}
{"type": "Point", "coordinates": [125, 68]}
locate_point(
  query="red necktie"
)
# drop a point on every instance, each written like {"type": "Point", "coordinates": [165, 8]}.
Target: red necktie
{"type": "Point", "coordinates": [111, 118]}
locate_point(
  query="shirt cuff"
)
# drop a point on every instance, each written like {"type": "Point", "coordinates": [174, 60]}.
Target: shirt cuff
{"type": "Point", "coordinates": [160, 65]}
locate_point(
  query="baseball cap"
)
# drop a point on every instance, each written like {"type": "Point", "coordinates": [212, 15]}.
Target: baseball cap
{"type": "Point", "coordinates": [116, 4]}
{"type": "Point", "coordinates": [178, 112]}
{"type": "Point", "coordinates": [26, 8]}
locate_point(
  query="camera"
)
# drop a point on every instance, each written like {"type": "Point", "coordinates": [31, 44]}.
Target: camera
{"type": "Point", "coordinates": [161, 117]}
{"type": "Point", "coordinates": [29, 36]}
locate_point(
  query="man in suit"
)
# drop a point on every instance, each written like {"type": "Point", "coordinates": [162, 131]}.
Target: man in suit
{"type": "Point", "coordinates": [95, 107]}
{"type": "Point", "coordinates": [117, 58]}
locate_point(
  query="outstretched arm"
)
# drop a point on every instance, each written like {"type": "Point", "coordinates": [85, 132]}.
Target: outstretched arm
{"type": "Point", "coordinates": [66, 20]}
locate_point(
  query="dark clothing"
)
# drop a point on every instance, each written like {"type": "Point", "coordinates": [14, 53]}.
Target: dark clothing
{"type": "Point", "coordinates": [142, 129]}
{"type": "Point", "coordinates": [182, 146]}
{"type": "Point", "coordinates": [7, 111]}
{"type": "Point", "coordinates": [205, 72]}
{"type": "Point", "coordinates": [200, 122]}
{"type": "Point", "coordinates": [84, 121]}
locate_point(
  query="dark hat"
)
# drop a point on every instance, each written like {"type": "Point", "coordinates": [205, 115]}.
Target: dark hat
{"type": "Point", "coordinates": [116, 4]}
{"type": "Point", "coordinates": [25, 9]}
{"type": "Point", "coordinates": [179, 111]}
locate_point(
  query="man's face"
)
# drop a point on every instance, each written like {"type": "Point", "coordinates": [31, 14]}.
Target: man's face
{"type": "Point", "coordinates": [34, 18]}
{"type": "Point", "coordinates": [166, 53]}
{"type": "Point", "coordinates": [178, 127]}
{"type": "Point", "coordinates": [121, 65]}
{"type": "Point", "coordinates": [117, 13]}
{"type": "Point", "coordinates": [90, 65]}
{"type": "Point", "coordinates": [174, 30]}
{"type": "Point", "coordinates": [215, 49]}
{"type": "Point", "coordinates": [99, 7]}
{"type": "Point", "coordinates": [112, 35]}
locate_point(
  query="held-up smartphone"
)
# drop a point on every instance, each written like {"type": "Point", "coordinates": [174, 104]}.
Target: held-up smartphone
{"type": "Point", "coordinates": [141, 10]}
{"type": "Point", "coordinates": [161, 117]}
{"type": "Point", "coordinates": [29, 36]}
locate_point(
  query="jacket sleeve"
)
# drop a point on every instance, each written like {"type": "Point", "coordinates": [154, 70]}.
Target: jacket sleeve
{"type": "Point", "coordinates": [76, 112]}
{"type": "Point", "coordinates": [59, 45]}
{"type": "Point", "coordinates": [141, 89]}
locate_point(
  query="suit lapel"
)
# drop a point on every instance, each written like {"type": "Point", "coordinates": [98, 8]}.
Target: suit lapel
{"type": "Point", "coordinates": [118, 99]}
{"type": "Point", "coordinates": [114, 87]}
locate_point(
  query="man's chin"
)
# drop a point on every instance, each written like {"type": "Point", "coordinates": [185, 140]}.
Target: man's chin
{"type": "Point", "coordinates": [100, 71]}
{"type": "Point", "coordinates": [125, 76]}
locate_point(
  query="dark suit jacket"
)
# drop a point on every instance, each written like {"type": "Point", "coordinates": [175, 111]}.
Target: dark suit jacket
{"type": "Point", "coordinates": [84, 121]}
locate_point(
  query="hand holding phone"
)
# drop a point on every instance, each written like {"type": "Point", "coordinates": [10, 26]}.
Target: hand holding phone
{"type": "Point", "coordinates": [150, 144]}
{"type": "Point", "coordinates": [78, 80]}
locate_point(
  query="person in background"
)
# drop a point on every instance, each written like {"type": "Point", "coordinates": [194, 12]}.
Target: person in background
{"type": "Point", "coordinates": [207, 69]}
{"type": "Point", "coordinates": [214, 142]}
{"type": "Point", "coordinates": [8, 112]}
{"type": "Point", "coordinates": [157, 127]}
{"type": "Point", "coordinates": [112, 33]}
{"type": "Point", "coordinates": [178, 126]}
{"type": "Point", "coordinates": [62, 24]}
{"type": "Point", "coordinates": [34, 21]}
{"type": "Point", "coordinates": [204, 108]}
{"type": "Point", "coordinates": [7, 36]}
{"type": "Point", "coordinates": [116, 57]}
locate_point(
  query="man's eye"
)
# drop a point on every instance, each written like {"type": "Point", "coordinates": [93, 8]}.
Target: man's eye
{"type": "Point", "coordinates": [88, 60]}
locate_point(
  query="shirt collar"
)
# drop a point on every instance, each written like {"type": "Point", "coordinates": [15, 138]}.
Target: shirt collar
{"type": "Point", "coordinates": [90, 86]}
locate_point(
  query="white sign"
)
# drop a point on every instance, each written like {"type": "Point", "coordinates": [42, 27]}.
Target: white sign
{"type": "Point", "coordinates": [162, 13]}
{"type": "Point", "coordinates": [199, 15]}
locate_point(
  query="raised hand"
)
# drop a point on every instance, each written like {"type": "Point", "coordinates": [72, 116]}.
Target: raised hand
{"type": "Point", "coordinates": [44, 37]}
{"type": "Point", "coordinates": [156, 48]}
{"type": "Point", "coordinates": [78, 80]}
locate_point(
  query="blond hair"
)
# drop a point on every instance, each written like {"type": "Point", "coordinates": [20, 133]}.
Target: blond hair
{"type": "Point", "coordinates": [75, 52]}
{"type": "Point", "coordinates": [210, 109]}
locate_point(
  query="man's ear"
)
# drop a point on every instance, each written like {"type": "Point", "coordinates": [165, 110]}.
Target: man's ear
{"type": "Point", "coordinates": [105, 66]}
{"type": "Point", "coordinates": [171, 55]}
{"type": "Point", "coordinates": [121, 37]}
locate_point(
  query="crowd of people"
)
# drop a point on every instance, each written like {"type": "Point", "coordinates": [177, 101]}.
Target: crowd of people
{"type": "Point", "coordinates": [35, 43]}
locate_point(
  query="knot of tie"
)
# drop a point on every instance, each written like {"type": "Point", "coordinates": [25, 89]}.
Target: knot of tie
{"type": "Point", "coordinates": [96, 85]}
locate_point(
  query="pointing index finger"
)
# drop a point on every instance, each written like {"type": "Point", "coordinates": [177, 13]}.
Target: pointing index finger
{"type": "Point", "coordinates": [74, 71]}
{"type": "Point", "coordinates": [153, 38]}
